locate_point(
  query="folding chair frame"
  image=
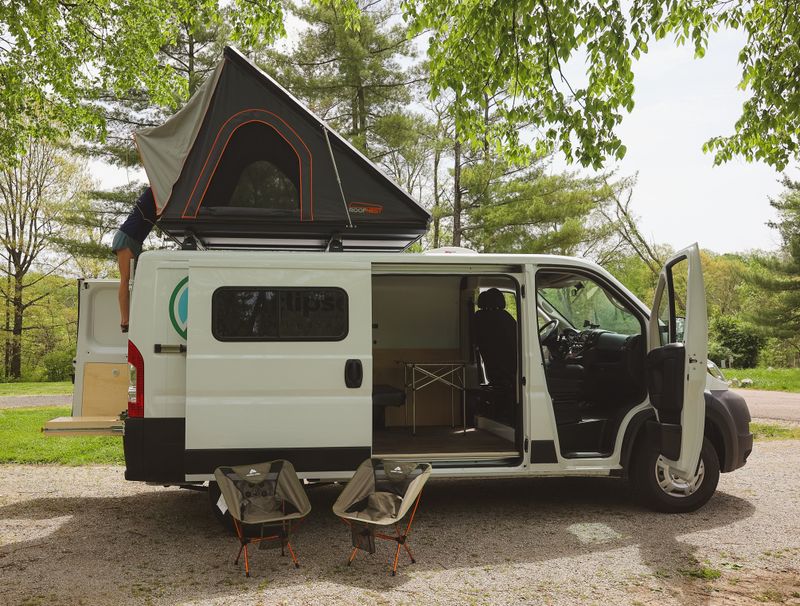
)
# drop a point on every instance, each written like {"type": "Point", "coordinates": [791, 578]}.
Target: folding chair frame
{"type": "Point", "coordinates": [401, 539]}
{"type": "Point", "coordinates": [244, 541]}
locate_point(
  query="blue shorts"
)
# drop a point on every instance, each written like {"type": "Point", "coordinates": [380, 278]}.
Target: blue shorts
{"type": "Point", "coordinates": [123, 240]}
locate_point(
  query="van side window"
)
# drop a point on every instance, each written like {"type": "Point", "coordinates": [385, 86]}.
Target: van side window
{"type": "Point", "coordinates": [279, 314]}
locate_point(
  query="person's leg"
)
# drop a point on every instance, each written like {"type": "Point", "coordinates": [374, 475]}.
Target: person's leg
{"type": "Point", "coordinates": [124, 258]}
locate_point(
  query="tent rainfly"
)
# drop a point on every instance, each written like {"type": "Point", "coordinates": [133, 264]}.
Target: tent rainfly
{"type": "Point", "coordinates": [245, 165]}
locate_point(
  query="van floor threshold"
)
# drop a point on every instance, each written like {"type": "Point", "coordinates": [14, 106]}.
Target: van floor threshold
{"type": "Point", "coordinates": [441, 443]}
{"type": "Point", "coordinates": [430, 457]}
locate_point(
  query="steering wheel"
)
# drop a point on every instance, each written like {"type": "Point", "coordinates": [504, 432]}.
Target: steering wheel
{"type": "Point", "coordinates": [547, 329]}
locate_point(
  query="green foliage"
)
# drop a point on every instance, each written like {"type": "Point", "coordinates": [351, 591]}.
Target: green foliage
{"type": "Point", "coordinates": [781, 353]}
{"type": "Point", "coordinates": [58, 364]}
{"type": "Point", "coordinates": [60, 60]}
{"type": "Point", "coordinates": [739, 338]}
{"type": "Point", "coordinates": [634, 273]}
{"type": "Point", "coordinates": [705, 573]}
{"type": "Point", "coordinates": [528, 211]}
{"type": "Point", "coordinates": [350, 71]}
{"type": "Point", "coordinates": [778, 276]}
{"type": "Point", "coordinates": [769, 379]}
{"type": "Point", "coordinates": [525, 50]}
{"type": "Point", "coordinates": [769, 127]}
{"type": "Point", "coordinates": [768, 431]}
{"type": "Point", "coordinates": [22, 441]}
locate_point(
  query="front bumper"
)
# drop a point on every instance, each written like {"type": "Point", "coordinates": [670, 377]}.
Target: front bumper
{"type": "Point", "coordinates": [729, 413]}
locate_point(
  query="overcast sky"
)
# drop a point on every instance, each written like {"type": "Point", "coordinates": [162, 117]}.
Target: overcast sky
{"type": "Point", "coordinates": [681, 197]}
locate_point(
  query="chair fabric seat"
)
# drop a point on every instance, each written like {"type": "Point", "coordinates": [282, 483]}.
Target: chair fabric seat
{"type": "Point", "coordinates": [263, 492]}
{"type": "Point", "coordinates": [382, 492]}
{"type": "Point", "coordinates": [267, 495]}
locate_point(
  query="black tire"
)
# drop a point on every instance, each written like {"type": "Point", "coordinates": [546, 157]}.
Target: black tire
{"type": "Point", "coordinates": [644, 478]}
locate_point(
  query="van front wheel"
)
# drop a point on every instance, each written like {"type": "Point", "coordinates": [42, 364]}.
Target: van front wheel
{"type": "Point", "coordinates": [658, 488]}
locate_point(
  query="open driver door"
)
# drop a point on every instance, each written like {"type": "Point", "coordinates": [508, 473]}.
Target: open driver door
{"type": "Point", "coordinates": [676, 361]}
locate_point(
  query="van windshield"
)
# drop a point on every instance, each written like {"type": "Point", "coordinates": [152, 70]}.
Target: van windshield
{"type": "Point", "coordinates": [584, 303]}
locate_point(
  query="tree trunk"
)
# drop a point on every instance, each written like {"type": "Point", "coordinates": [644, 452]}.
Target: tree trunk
{"type": "Point", "coordinates": [362, 116]}
{"type": "Point", "coordinates": [437, 157]}
{"type": "Point", "coordinates": [193, 83]}
{"type": "Point", "coordinates": [457, 192]}
{"type": "Point", "coordinates": [7, 343]}
{"type": "Point", "coordinates": [16, 331]}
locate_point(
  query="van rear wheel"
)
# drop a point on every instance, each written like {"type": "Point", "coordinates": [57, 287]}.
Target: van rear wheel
{"type": "Point", "coordinates": [658, 488]}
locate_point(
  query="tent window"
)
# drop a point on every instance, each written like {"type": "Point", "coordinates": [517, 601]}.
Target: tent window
{"type": "Point", "coordinates": [258, 170]}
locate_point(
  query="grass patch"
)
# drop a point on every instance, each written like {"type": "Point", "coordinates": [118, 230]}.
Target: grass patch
{"type": "Point", "coordinates": [775, 379]}
{"type": "Point", "coordinates": [702, 572]}
{"type": "Point", "coordinates": [59, 388]}
{"type": "Point", "coordinates": [770, 431]}
{"type": "Point", "coordinates": [22, 440]}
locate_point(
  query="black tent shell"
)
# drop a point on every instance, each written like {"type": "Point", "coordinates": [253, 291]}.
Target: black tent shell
{"type": "Point", "coordinates": [245, 165]}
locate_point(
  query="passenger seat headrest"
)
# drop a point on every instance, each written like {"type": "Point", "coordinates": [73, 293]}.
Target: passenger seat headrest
{"type": "Point", "coordinates": [491, 299]}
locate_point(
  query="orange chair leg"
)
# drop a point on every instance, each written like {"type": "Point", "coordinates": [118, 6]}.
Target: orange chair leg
{"type": "Point", "coordinates": [410, 555]}
{"type": "Point", "coordinates": [396, 557]}
{"type": "Point", "coordinates": [352, 556]}
{"type": "Point", "coordinates": [291, 553]}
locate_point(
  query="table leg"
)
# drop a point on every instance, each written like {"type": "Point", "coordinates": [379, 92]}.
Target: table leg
{"type": "Point", "coordinates": [452, 413]}
{"type": "Point", "coordinates": [463, 400]}
{"type": "Point", "coordinates": [413, 401]}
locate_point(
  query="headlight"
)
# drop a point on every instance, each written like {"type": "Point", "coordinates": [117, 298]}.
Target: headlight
{"type": "Point", "coordinates": [714, 371]}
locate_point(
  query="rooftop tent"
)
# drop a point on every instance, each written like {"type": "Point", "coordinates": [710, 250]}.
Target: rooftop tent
{"type": "Point", "coordinates": [245, 165]}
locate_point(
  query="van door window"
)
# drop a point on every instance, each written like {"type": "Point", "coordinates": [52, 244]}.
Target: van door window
{"type": "Point", "coordinates": [279, 314]}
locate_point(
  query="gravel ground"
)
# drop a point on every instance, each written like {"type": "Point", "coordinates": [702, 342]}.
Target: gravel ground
{"type": "Point", "coordinates": [82, 535]}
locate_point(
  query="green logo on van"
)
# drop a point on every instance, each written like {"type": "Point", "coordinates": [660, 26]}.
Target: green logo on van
{"type": "Point", "coordinates": [179, 307]}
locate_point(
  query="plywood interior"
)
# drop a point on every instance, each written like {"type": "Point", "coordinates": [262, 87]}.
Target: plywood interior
{"type": "Point", "coordinates": [105, 389]}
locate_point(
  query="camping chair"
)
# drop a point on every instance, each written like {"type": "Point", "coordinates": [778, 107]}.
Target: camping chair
{"type": "Point", "coordinates": [266, 494]}
{"type": "Point", "coordinates": [380, 494]}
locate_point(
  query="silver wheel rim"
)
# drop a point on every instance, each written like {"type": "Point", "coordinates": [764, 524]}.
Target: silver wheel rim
{"type": "Point", "coordinates": [674, 485]}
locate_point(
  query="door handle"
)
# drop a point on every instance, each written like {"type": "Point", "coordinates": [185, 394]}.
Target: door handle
{"type": "Point", "coordinates": [353, 373]}
{"type": "Point", "coordinates": [692, 360]}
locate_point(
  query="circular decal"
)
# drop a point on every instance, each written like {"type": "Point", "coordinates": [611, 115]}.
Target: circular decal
{"type": "Point", "coordinates": [179, 307]}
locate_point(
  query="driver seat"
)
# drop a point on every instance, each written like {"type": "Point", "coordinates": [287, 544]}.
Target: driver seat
{"type": "Point", "coordinates": [496, 339]}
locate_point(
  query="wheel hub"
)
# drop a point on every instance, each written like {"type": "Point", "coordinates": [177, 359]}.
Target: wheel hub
{"type": "Point", "coordinates": [674, 485]}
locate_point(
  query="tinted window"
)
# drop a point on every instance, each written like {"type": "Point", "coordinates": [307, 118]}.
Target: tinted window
{"type": "Point", "coordinates": [279, 314]}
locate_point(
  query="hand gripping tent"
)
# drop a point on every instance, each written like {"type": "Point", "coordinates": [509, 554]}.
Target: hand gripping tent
{"type": "Point", "coordinates": [245, 165]}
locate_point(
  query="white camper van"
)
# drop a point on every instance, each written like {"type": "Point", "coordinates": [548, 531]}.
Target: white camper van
{"type": "Point", "coordinates": [483, 365]}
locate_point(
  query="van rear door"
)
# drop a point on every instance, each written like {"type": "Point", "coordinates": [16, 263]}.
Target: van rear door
{"type": "Point", "coordinates": [279, 364]}
{"type": "Point", "coordinates": [100, 392]}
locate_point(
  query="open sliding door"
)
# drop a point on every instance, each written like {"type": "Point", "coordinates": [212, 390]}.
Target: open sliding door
{"type": "Point", "coordinates": [279, 365]}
